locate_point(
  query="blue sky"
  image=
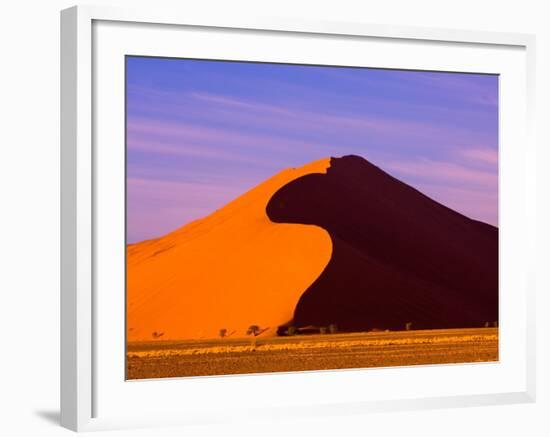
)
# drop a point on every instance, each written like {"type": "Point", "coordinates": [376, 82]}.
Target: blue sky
{"type": "Point", "coordinates": [199, 133]}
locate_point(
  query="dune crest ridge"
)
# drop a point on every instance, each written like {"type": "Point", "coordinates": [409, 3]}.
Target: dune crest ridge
{"type": "Point", "coordinates": [230, 270]}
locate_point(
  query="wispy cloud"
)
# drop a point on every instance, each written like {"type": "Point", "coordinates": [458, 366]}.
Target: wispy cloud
{"type": "Point", "coordinates": [253, 115]}
{"type": "Point", "coordinates": [469, 190]}
{"type": "Point", "coordinates": [483, 155]}
{"type": "Point", "coordinates": [176, 203]}
{"type": "Point", "coordinates": [194, 139]}
{"type": "Point", "coordinates": [474, 89]}
{"type": "Point", "coordinates": [445, 173]}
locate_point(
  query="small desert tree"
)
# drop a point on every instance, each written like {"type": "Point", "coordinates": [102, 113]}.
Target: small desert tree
{"type": "Point", "coordinates": [253, 330]}
{"type": "Point", "coordinates": [333, 328]}
{"type": "Point", "coordinates": [223, 332]}
{"type": "Point", "coordinates": [408, 326]}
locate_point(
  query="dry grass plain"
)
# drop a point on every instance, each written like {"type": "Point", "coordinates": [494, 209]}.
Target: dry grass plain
{"type": "Point", "coordinates": [161, 359]}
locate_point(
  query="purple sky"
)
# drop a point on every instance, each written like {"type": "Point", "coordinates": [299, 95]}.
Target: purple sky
{"type": "Point", "coordinates": [200, 133]}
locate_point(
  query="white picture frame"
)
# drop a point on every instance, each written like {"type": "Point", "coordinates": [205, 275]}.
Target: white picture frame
{"type": "Point", "coordinates": [82, 372]}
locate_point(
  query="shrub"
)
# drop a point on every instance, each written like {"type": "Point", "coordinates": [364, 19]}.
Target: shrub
{"type": "Point", "coordinates": [408, 326]}
{"type": "Point", "coordinates": [291, 330]}
{"type": "Point", "coordinates": [323, 330]}
{"type": "Point", "coordinates": [223, 332]}
{"type": "Point", "coordinates": [333, 328]}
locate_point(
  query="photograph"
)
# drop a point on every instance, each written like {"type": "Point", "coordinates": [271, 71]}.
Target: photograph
{"type": "Point", "coordinates": [293, 217]}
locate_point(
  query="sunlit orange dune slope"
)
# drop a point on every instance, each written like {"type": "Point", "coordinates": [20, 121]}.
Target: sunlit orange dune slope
{"type": "Point", "coordinates": [230, 270]}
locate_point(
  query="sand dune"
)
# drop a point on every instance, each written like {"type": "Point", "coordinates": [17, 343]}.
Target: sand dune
{"type": "Point", "coordinates": [337, 241]}
{"type": "Point", "coordinates": [230, 270]}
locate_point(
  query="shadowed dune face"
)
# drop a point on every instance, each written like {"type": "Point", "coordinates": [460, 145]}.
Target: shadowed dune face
{"type": "Point", "coordinates": [397, 255]}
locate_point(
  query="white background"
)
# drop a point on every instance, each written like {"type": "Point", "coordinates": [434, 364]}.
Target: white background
{"type": "Point", "coordinates": [29, 218]}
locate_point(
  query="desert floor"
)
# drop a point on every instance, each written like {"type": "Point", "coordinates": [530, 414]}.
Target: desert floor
{"type": "Point", "coordinates": [160, 359]}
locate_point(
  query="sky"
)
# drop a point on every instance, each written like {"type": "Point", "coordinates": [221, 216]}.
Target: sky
{"type": "Point", "coordinates": [200, 133]}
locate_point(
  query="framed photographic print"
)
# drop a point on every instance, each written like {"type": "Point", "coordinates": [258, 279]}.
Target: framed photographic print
{"type": "Point", "coordinates": [317, 216]}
